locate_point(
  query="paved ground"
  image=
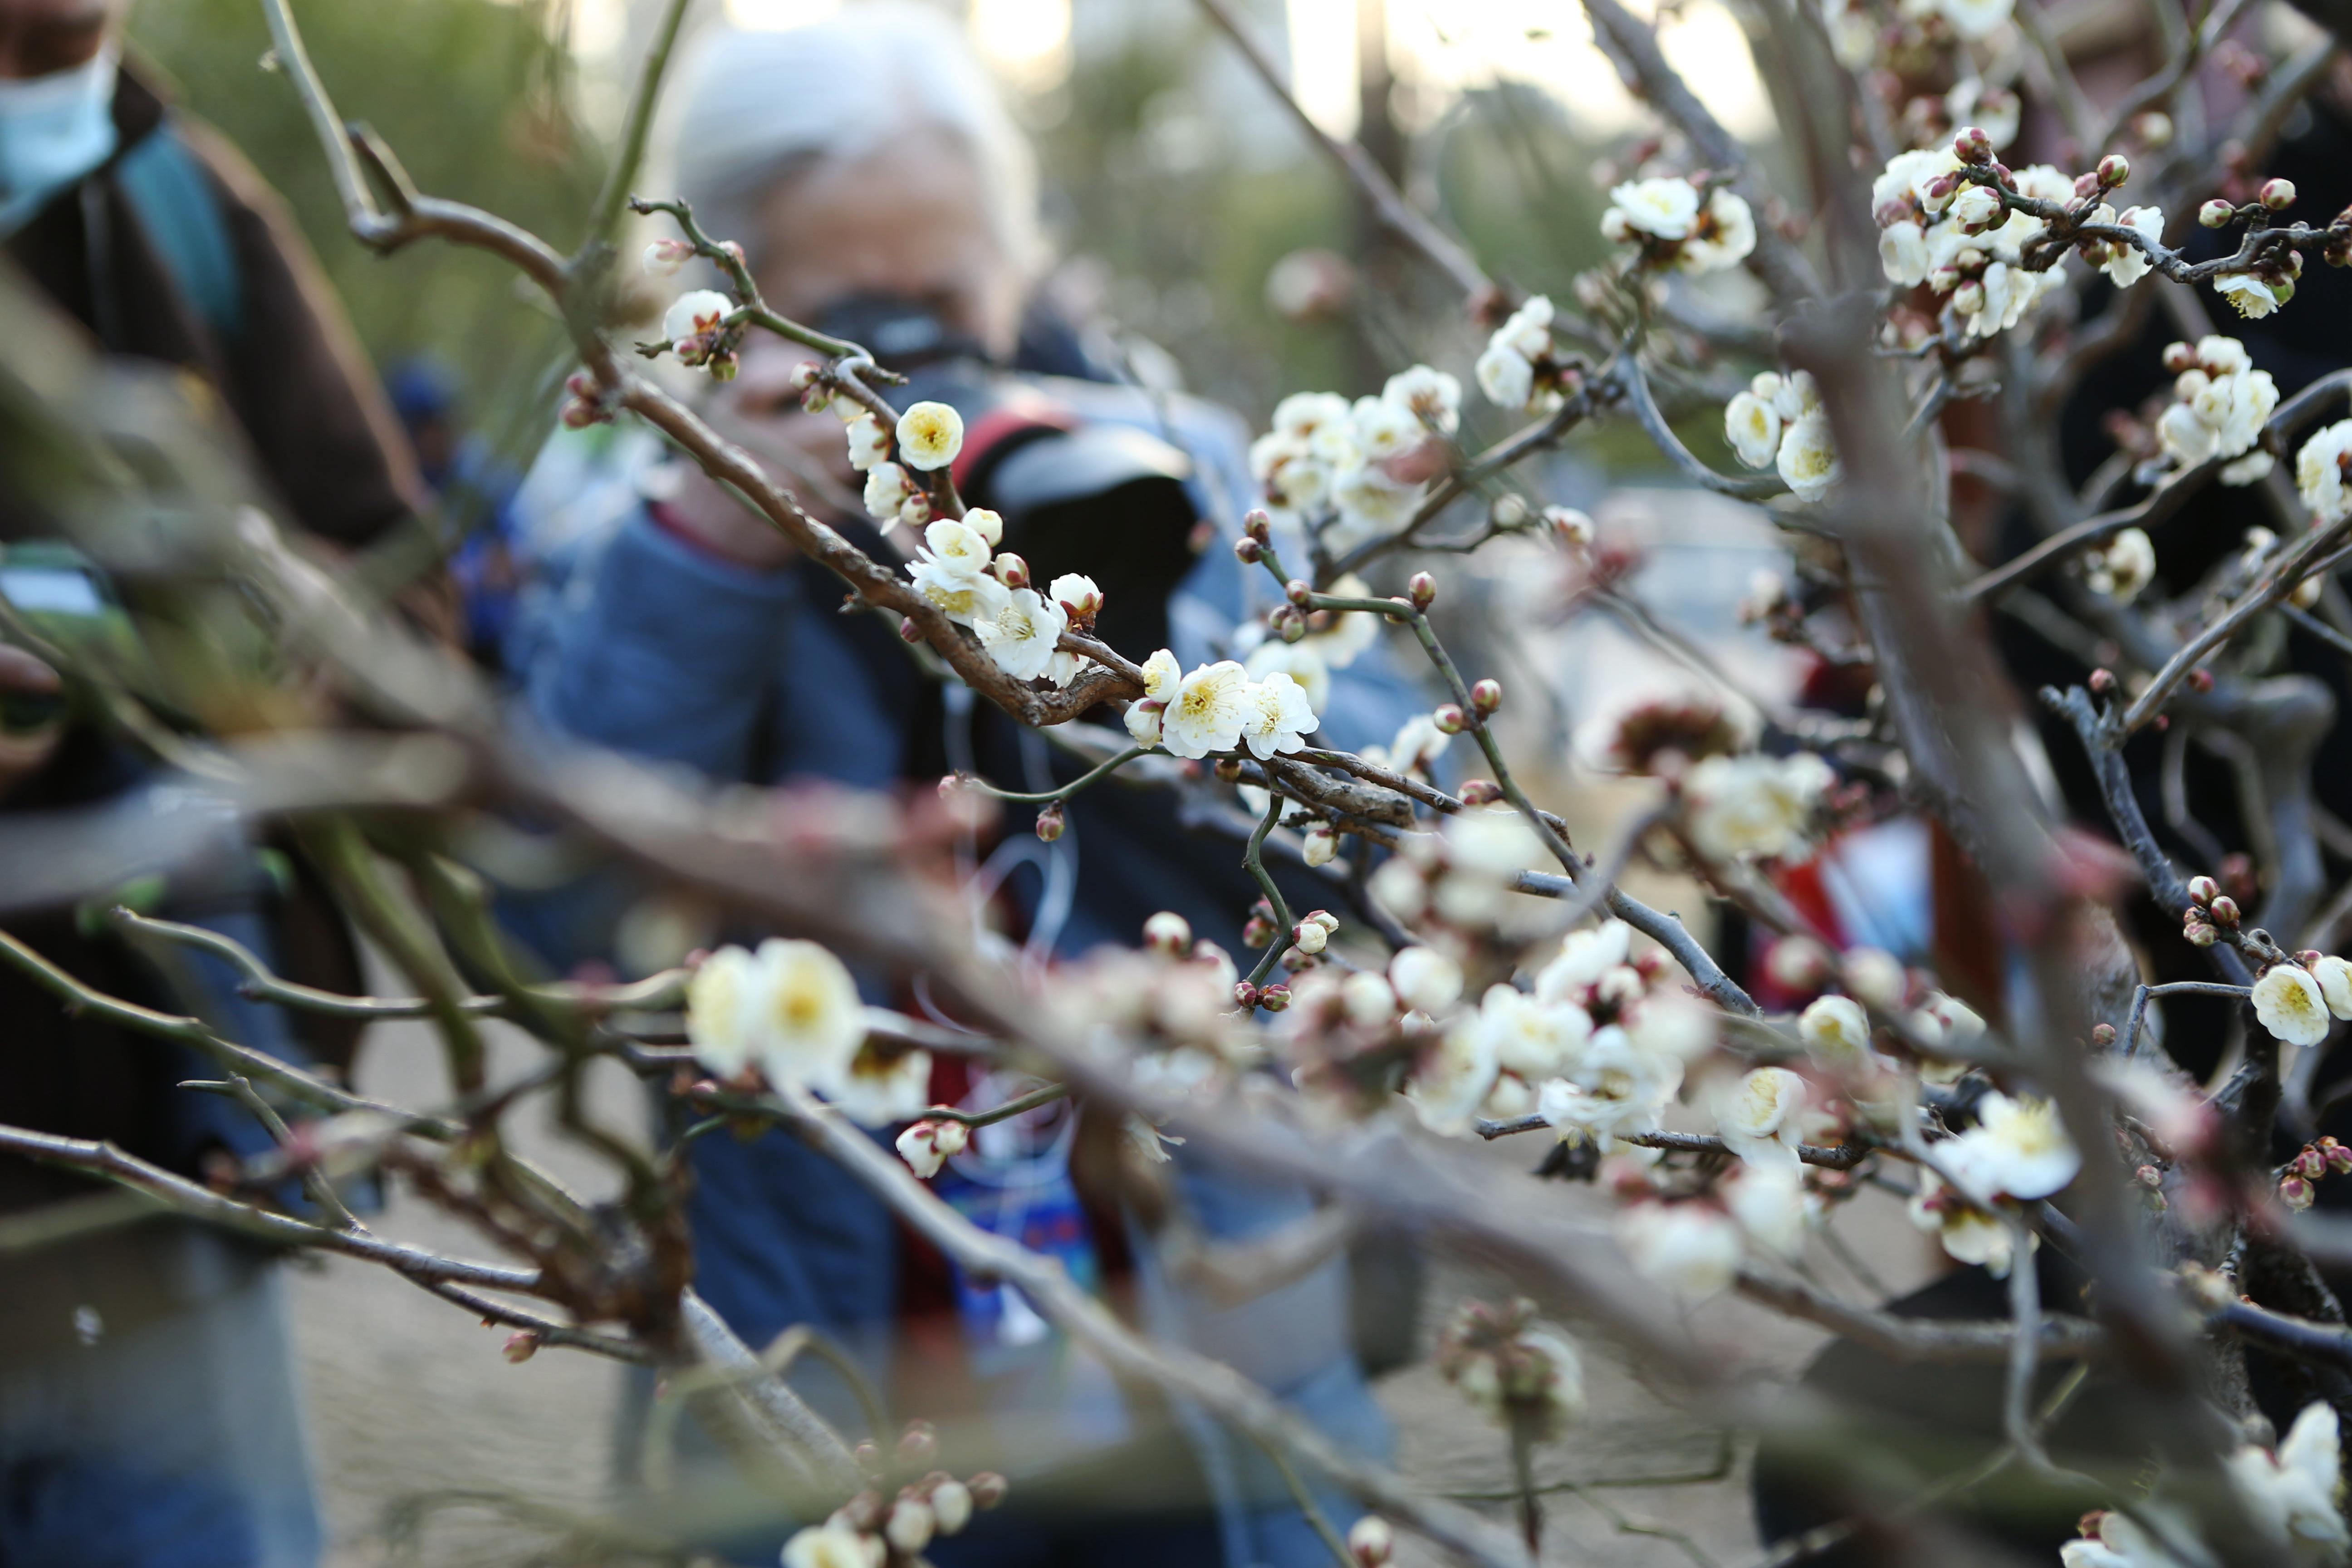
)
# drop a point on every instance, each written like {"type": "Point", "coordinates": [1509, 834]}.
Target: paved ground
{"type": "Point", "coordinates": [413, 1401]}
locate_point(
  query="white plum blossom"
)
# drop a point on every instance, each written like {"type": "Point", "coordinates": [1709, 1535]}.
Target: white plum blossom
{"type": "Point", "coordinates": [1275, 716]}
{"type": "Point", "coordinates": [2122, 569]}
{"type": "Point", "coordinates": [930, 435]}
{"type": "Point", "coordinates": [1506, 371]}
{"type": "Point", "coordinates": [1836, 1032]}
{"type": "Point", "coordinates": [2017, 1149]}
{"type": "Point", "coordinates": [1506, 377]}
{"type": "Point", "coordinates": [1425, 979]}
{"type": "Point", "coordinates": [2291, 1004]}
{"type": "Point", "coordinates": [720, 1000]}
{"type": "Point", "coordinates": [1529, 1037]}
{"type": "Point", "coordinates": [1752, 425]}
{"type": "Point", "coordinates": [697, 311]}
{"type": "Point", "coordinates": [2116, 1543]}
{"type": "Point", "coordinates": [1302, 414]}
{"type": "Point", "coordinates": [1616, 1088]}
{"type": "Point", "coordinates": [1385, 429]}
{"type": "Point", "coordinates": [1754, 807]}
{"type": "Point", "coordinates": [958, 547]}
{"type": "Point", "coordinates": [1808, 460]}
{"type": "Point", "coordinates": [1901, 256]}
{"type": "Point", "coordinates": [833, 1545]}
{"type": "Point", "coordinates": [1022, 633]}
{"type": "Point", "coordinates": [1145, 722]}
{"type": "Point", "coordinates": [926, 1146]}
{"type": "Point", "coordinates": [1902, 186]}
{"type": "Point", "coordinates": [1584, 957]}
{"type": "Point", "coordinates": [1767, 1202]}
{"type": "Point", "coordinates": [1977, 206]}
{"type": "Point", "coordinates": [972, 600]}
{"type": "Point", "coordinates": [1076, 593]}
{"type": "Point", "coordinates": [1969, 1232]}
{"type": "Point", "coordinates": [1429, 396]}
{"type": "Point", "coordinates": [1762, 1117]}
{"type": "Point", "coordinates": [1300, 660]}
{"type": "Point", "coordinates": [881, 1089]}
{"type": "Point", "coordinates": [2127, 264]}
{"type": "Point", "coordinates": [2249, 295]}
{"type": "Point", "coordinates": [1690, 1248]}
{"type": "Point", "coordinates": [2295, 1494]}
{"type": "Point", "coordinates": [1449, 1084]}
{"type": "Point", "coordinates": [2334, 977]}
{"type": "Point", "coordinates": [2319, 472]}
{"type": "Point", "coordinates": [887, 490]}
{"type": "Point", "coordinates": [1660, 208]}
{"type": "Point", "coordinates": [1162, 674]}
{"type": "Point", "coordinates": [790, 1007]}
{"type": "Point", "coordinates": [869, 443]}
{"type": "Point", "coordinates": [1206, 713]}
{"type": "Point", "coordinates": [1724, 237]}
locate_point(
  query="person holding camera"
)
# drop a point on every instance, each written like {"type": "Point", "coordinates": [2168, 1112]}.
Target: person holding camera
{"type": "Point", "coordinates": [149, 1409]}
{"type": "Point", "coordinates": [881, 193]}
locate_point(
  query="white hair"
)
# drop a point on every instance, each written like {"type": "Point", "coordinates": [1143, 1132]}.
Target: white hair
{"type": "Point", "coordinates": [753, 107]}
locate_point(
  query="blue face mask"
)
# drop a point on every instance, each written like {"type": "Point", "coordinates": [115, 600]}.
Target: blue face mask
{"type": "Point", "coordinates": [54, 129]}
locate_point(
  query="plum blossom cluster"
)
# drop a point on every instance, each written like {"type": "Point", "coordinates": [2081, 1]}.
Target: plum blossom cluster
{"type": "Point", "coordinates": [790, 1012]}
{"type": "Point", "coordinates": [959, 573]}
{"type": "Point", "coordinates": [2321, 470]}
{"type": "Point", "coordinates": [2220, 404]}
{"type": "Point", "coordinates": [928, 436]}
{"type": "Point", "coordinates": [1521, 1375]}
{"type": "Point", "coordinates": [1521, 369]}
{"type": "Point", "coordinates": [1678, 224]}
{"type": "Point", "coordinates": [2123, 568]}
{"type": "Point", "coordinates": [878, 1528]}
{"type": "Point", "coordinates": [2293, 1494]}
{"type": "Point", "coordinates": [1963, 240]}
{"type": "Point", "coordinates": [1218, 707]}
{"type": "Point", "coordinates": [1778, 423]}
{"type": "Point", "coordinates": [695, 330]}
{"type": "Point", "coordinates": [2299, 999]}
{"type": "Point", "coordinates": [1355, 472]}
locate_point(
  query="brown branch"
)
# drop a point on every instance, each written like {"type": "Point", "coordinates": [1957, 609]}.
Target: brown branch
{"type": "Point", "coordinates": [1913, 1339]}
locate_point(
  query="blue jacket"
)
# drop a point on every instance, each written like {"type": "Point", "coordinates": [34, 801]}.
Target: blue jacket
{"type": "Point", "coordinates": [670, 654]}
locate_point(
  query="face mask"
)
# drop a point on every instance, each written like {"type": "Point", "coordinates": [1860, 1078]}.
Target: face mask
{"type": "Point", "coordinates": [54, 129]}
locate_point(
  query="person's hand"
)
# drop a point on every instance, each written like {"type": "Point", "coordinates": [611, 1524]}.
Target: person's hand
{"type": "Point", "coordinates": [761, 412]}
{"type": "Point", "coordinates": [31, 720]}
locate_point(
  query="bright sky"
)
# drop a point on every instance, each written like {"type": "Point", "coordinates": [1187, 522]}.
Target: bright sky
{"type": "Point", "coordinates": [1443, 46]}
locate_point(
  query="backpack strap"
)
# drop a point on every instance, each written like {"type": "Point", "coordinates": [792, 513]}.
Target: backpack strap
{"type": "Point", "coordinates": [169, 189]}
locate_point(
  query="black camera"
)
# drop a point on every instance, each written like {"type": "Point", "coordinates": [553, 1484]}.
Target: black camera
{"type": "Point", "coordinates": [1077, 494]}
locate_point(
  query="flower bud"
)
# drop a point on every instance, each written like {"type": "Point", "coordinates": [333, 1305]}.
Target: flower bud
{"type": "Point", "coordinates": [665, 256]}
{"type": "Point", "coordinates": [1480, 792]}
{"type": "Point", "coordinates": [1274, 998]}
{"type": "Point", "coordinates": [2200, 680]}
{"type": "Point", "coordinates": [2339, 1158]}
{"type": "Point", "coordinates": [2225, 911]}
{"type": "Point", "coordinates": [918, 1442]}
{"type": "Point", "coordinates": [2203, 889]}
{"type": "Point", "coordinates": [1011, 571]}
{"type": "Point", "coordinates": [2179, 359]}
{"type": "Point", "coordinates": [1508, 510]}
{"type": "Point", "coordinates": [2101, 682]}
{"type": "Point", "coordinates": [1486, 696]}
{"type": "Point", "coordinates": [1246, 995]}
{"type": "Point", "coordinates": [2216, 213]}
{"type": "Point", "coordinates": [1940, 192]}
{"type": "Point", "coordinates": [1248, 550]}
{"type": "Point", "coordinates": [951, 1502]}
{"type": "Point", "coordinates": [1370, 1542]}
{"type": "Point", "coordinates": [722, 366]}
{"type": "Point", "coordinates": [1572, 527]}
{"type": "Point", "coordinates": [910, 1525]}
{"type": "Point", "coordinates": [2277, 194]}
{"type": "Point", "coordinates": [1448, 718]}
{"type": "Point", "coordinates": [804, 377]}
{"type": "Point", "coordinates": [1968, 299]}
{"type": "Point", "coordinates": [1050, 823]}
{"type": "Point", "coordinates": [1301, 594]}
{"type": "Point", "coordinates": [1423, 590]}
{"type": "Point", "coordinates": [2103, 1034]}
{"type": "Point", "coordinates": [1321, 844]}
{"type": "Point", "coordinates": [1257, 931]}
{"type": "Point", "coordinates": [521, 1347]}
{"type": "Point", "coordinates": [2198, 934]}
{"type": "Point", "coordinates": [2148, 1177]}
{"type": "Point", "coordinates": [1324, 918]}
{"type": "Point", "coordinates": [2295, 1192]}
{"type": "Point", "coordinates": [1971, 145]}
{"type": "Point", "coordinates": [2113, 170]}
{"type": "Point", "coordinates": [1308, 937]}
{"type": "Point", "coordinates": [988, 1489]}
{"type": "Point", "coordinates": [2153, 129]}
{"type": "Point", "coordinates": [1258, 524]}
{"type": "Point", "coordinates": [2309, 1163]}
{"type": "Point", "coordinates": [989, 525]}
{"type": "Point", "coordinates": [1228, 770]}
{"type": "Point", "coordinates": [2086, 185]}
{"type": "Point", "coordinates": [1168, 934]}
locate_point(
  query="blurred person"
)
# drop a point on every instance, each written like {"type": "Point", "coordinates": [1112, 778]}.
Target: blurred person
{"type": "Point", "coordinates": [477, 491]}
{"type": "Point", "coordinates": [880, 190]}
{"type": "Point", "coordinates": [149, 1412]}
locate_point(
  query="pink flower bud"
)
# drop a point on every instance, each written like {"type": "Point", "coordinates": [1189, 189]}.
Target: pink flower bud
{"type": "Point", "coordinates": [1308, 937]}
{"type": "Point", "coordinates": [2103, 1034]}
{"type": "Point", "coordinates": [2148, 1177]}
{"type": "Point", "coordinates": [804, 375]}
{"type": "Point", "coordinates": [2199, 934]}
{"type": "Point", "coordinates": [1257, 931]}
{"type": "Point", "coordinates": [1449, 720]}
{"type": "Point", "coordinates": [1301, 594]}
{"type": "Point", "coordinates": [2225, 910]}
{"type": "Point", "coordinates": [1370, 1542]}
{"type": "Point", "coordinates": [2113, 170]}
{"type": "Point", "coordinates": [2216, 213]}
{"type": "Point", "coordinates": [521, 1347]}
{"type": "Point", "coordinates": [1972, 145]}
{"type": "Point", "coordinates": [1050, 823]}
{"type": "Point", "coordinates": [2203, 889]}
{"type": "Point", "coordinates": [988, 1489]}
{"type": "Point", "coordinates": [1248, 550]}
{"type": "Point", "coordinates": [2086, 185]}
{"type": "Point", "coordinates": [918, 1442]}
{"type": "Point", "coordinates": [1486, 696]}
{"type": "Point", "coordinates": [1168, 934]}
{"type": "Point", "coordinates": [2178, 359]}
{"type": "Point", "coordinates": [1011, 571]}
{"type": "Point", "coordinates": [2295, 1192]}
{"type": "Point", "coordinates": [2339, 1158]}
{"type": "Point", "coordinates": [2102, 682]}
{"type": "Point", "coordinates": [2309, 1163]}
{"type": "Point", "coordinates": [1423, 590]}
{"type": "Point", "coordinates": [1480, 792]}
{"type": "Point", "coordinates": [1258, 524]}
{"type": "Point", "coordinates": [2277, 194]}
{"type": "Point", "coordinates": [1246, 996]}
{"type": "Point", "coordinates": [2200, 680]}
{"type": "Point", "coordinates": [1274, 998]}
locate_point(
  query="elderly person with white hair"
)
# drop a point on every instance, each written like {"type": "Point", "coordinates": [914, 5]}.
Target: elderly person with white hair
{"type": "Point", "coordinates": [867, 166]}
